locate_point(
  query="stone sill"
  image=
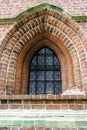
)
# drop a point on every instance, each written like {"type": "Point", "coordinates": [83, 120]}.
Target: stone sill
{"type": "Point", "coordinates": [43, 97]}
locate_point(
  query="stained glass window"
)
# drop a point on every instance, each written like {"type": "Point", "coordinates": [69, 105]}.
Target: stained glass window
{"type": "Point", "coordinates": [45, 73]}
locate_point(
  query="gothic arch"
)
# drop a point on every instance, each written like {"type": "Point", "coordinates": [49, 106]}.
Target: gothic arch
{"type": "Point", "coordinates": [27, 53]}
{"type": "Point", "coordinates": [50, 22]}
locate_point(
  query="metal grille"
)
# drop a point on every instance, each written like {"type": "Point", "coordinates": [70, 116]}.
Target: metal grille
{"type": "Point", "coordinates": [45, 73]}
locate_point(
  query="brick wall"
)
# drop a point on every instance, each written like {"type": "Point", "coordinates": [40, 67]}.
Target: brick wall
{"type": "Point", "coordinates": [44, 102]}
{"type": "Point", "coordinates": [67, 35]}
{"type": "Point", "coordinates": [11, 8]}
{"type": "Point", "coordinates": [65, 30]}
{"type": "Point", "coordinates": [40, 128]}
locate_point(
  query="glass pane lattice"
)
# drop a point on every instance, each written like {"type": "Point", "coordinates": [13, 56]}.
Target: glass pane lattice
{"type": "Point", "coordinates": [45, 73]}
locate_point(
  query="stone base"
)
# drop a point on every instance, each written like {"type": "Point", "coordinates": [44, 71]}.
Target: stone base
{"type": "Point", "coordinates": [43, 118]}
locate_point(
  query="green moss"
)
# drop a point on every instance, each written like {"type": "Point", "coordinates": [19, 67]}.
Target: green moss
{"type": "Point", "coordinates": [51, 123]}
{"type": "Point", "coordinates": [43, 123]}
{"type": "Point", "coordinates": [28, 123]}
{"type": "Point", "coordinates": [40, 123]}
{"type": "Point", "coordinates": [81, 123]}
{"type": "Point", "coordinates": [5, 123]}
{"type": "Point", "coordinates": [16, 123]}
{"type": "Point", "coordinates": [9, 20]}
{"type": "Point", "coordinates": [78, 18]}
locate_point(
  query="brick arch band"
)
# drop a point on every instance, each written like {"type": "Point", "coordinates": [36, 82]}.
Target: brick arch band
{"type": "Point", "coordinates": [36, 44]}
{"type": "Point", "coordinates": [57, 30]}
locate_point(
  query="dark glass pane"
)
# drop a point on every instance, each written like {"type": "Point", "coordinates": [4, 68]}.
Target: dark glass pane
{"type": "Point", "coordinates": [40, 60]}
{"type": "Point", "coordinates": [40, 87]}
{"type": "Point", "coordinates": [33, 67]}
{"type": "Point", "coordinates": [49, 75]}
{"type": "Point", "coordinates": [32, 88]}
{"type": "Point", "coordinates": [45, 73]}
{"type": "Point", "coordinates": [33, 75]}
{"type": "Point", "coordinates": [40, 67]}
{"type": "Point", "coordinates": [57, 75]}
{"type": "Point", "coordinates": [49, 67]}
{"type": "Point", "coordinates": [48, 51]}
{"type": "Point", "coordinates": [57, 88]}
{"type": "Point", "coordinates": [34, 61]}
{"type": "Point", "coordinates": [40, 75]}
{"type": "Point", "coordinates": [49, 60]}
{"type": "Point", "coordinates": [57, 67]}
{"type": "Point", "coordinates": [49, 88]}
{"type": "Point", "coordinates": [42, 51]}
{"type": "Point", "coordinates": [56, 61]}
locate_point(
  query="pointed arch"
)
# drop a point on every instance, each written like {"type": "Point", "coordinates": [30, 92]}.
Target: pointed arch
{"type": "Point", "coordinates": [27, 54]}
{"type": "Point", "coordinates": [45, 73]}
{"type": "Point", "coordinates": [43, 22]}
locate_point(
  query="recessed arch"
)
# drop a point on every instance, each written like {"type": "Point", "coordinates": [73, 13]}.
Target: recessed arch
{"type": "Point", "coordinates": [39, 22]}
{"type": "Point", "coordinates": [29, 51]}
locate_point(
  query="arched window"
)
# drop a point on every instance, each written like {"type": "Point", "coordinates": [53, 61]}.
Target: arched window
{"type": "Point", "coordinates": [45, 73]}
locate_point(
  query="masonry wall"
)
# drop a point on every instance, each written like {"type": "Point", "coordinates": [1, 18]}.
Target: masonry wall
{"type": "Point", "coordinates": [9, 100]}
{"type": "Point", "coordinates": [11, 8]}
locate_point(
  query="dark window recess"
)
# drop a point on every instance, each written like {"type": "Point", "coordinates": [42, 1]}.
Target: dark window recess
{"type": "Point", "coordinates": [45, 73]}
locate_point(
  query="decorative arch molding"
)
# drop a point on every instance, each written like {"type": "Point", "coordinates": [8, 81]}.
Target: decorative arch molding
{"type": "Point", "coordinates": [54, 24]}
{"type": "Point", "coordinates": [28, 52]}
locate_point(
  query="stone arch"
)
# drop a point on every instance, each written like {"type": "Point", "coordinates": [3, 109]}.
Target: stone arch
{"type": "Point", "coordinates": [49, 21]}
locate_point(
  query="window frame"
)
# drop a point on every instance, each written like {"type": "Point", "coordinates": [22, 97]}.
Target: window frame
{"type": "Point", "coordinates": [34, 68]}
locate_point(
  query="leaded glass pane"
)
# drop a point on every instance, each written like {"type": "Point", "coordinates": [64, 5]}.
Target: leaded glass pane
{"type": "Point", "coordinates": [34, 61]}
{"type": "Point", "coordinates": [33, 75]}
{"type": "Point", "coordinates": [49, 60]}
{"type": "Point", "coordinates": [57, 75]}
{"type": "Point", "coordinates": [48, 51]}
{"type": "Point", "coordinates": [49, 88]}
{"type": "Point", "coordinates": [32, 88]}
{"type": "Point", "coordinates": [42, 51]}
{"type": "Point", "coordinates": [40, 87]}
{"type": "Point", "coordinates": [56, 61]}
{"type": "Point", "coordinates": [49, 75]}
{"type": "Point", "coordinates": [40, 75]}
{"type": "Point", "coordinates": [57, 87]}
{"type": "Point", "coordinates": [45, 73]}
{"type": "Point", "coordinates": [41, 60]}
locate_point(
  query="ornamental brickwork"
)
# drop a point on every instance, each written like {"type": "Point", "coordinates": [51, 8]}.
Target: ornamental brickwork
{"type": "Point", "coordinates": [22, 34]}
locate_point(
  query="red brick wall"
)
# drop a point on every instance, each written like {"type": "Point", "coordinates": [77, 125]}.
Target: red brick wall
{"type": "Point", "coordinates": [40, 128]}
{"type": "Point", "coordinates": [69, 33]}
{"type": "Point", "coordinates": [63, 29]}
{"type": "Point", "coordinates": [11, 8]}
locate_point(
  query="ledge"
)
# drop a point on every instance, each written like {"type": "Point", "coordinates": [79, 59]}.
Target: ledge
{"type": "Point", "coordinates": [43, 97]}
{"type": "Point", "coordinates": [48, 118]}
{"type": "Point", "coordinates": [41, 6]}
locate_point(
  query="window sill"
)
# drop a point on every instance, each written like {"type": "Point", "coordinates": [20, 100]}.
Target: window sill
{"type": "Point", "coordinates": [42, 97]}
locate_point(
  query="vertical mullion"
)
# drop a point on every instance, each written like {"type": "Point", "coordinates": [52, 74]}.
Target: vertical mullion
{"type": "Point", "coordinates": [53, 75]}
{"type": "Point", "coordinates": [60, 80]}
{"type": "Point", "coordinates": [45, 71]}
{"type": "Point", "coordinates": [36, 72]}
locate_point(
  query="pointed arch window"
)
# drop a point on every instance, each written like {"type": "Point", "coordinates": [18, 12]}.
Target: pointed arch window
{"type": "Point", "coordinates": [45, 73]}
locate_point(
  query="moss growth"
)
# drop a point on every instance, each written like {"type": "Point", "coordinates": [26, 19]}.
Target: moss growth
{"type": "Point", "coordinates": [11, 20]}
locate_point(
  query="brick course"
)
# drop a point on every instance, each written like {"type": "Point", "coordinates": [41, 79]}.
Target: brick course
{"type": "Point", "coordinates": [40, 128]}
{"type": "Point", "coordinates": [43, 102]}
